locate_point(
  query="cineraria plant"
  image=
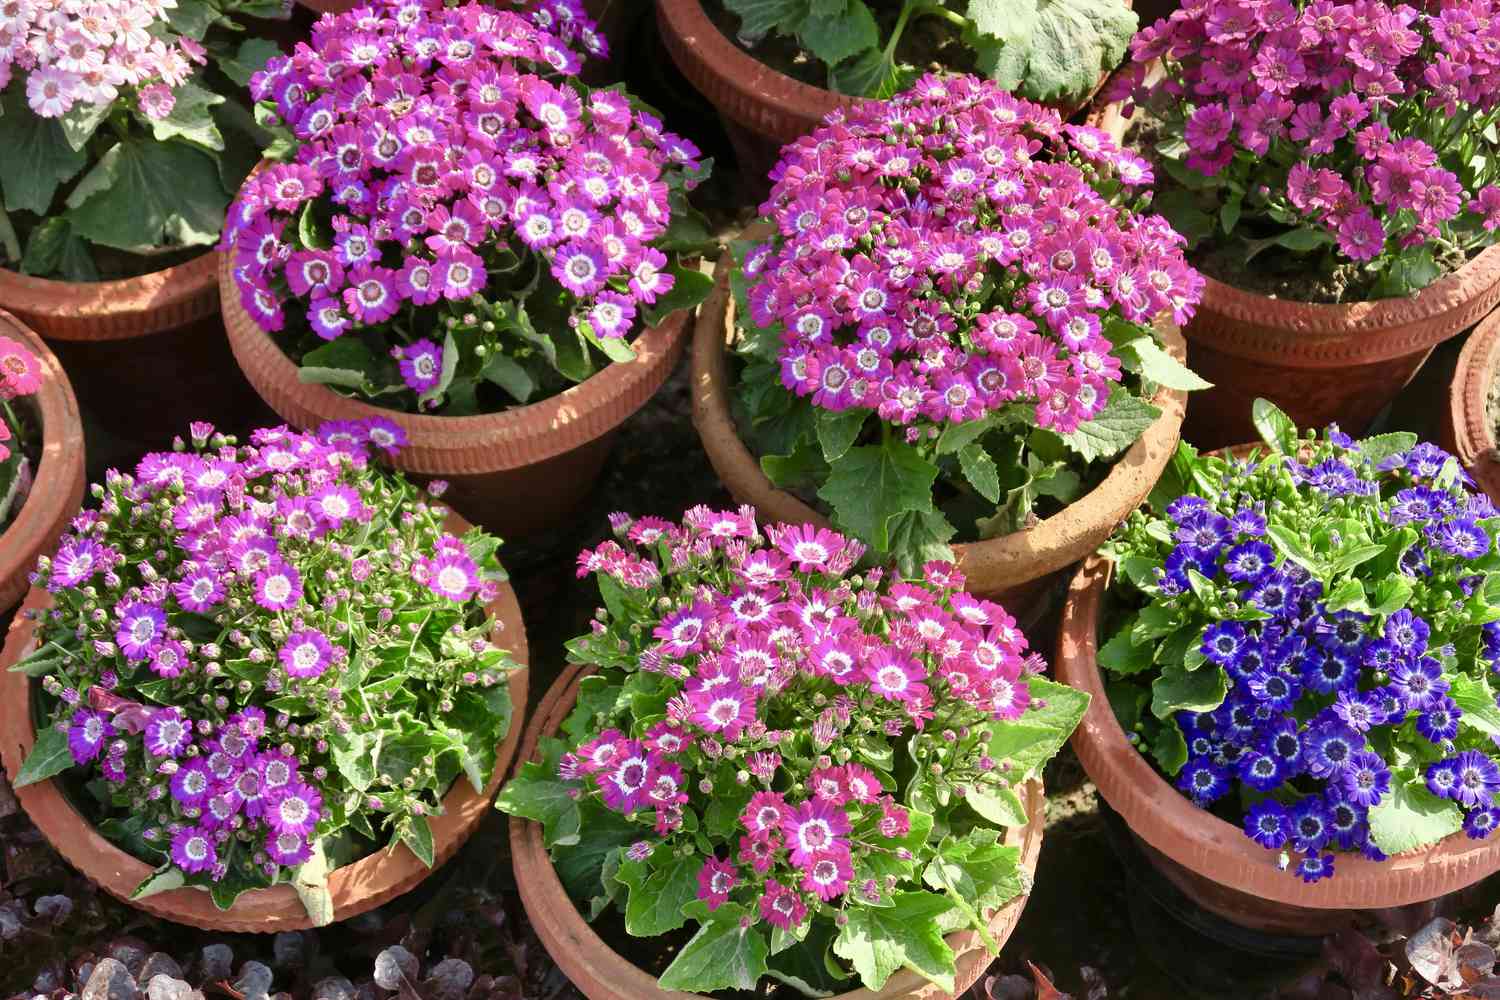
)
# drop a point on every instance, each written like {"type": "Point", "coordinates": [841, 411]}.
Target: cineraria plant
{"type": "Point", "coordinates": [954, 317]}
{"type": "Point", "coordinates": [1353, 140]}
{"type": "Point", "coordinates": [457, 225]}
{"type": "Point", "coordinates": [1044, 50]}
{"type": "Point", "coordinates": [811, 766]}
{"type": "Point", "coordinates": [1306, 638]}
{"type": "Point", "coordinates": [20, 377]}
{"type": "Point", "coordinates": [264, 662]}
{"type": "Point", "coordinates": [124, 130]}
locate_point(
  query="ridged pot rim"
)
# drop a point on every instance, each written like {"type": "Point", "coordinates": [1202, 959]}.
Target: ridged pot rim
{"type": "Point", "coordinates": [355, 888]}
{"type": "Point", "coordinates": [1207, 845]}
{"type": "Point", "coordinates": [58, 481]}
{"type": "Point", "coordinates": [114, 310]}
{"type": "Point", "coordinates": [990, 566]}
{"type": "Point", "coordinates": [601, 973]}
{"type": "Point", "coordinates": [1468, 410]}
{"type": "Point", "coordinates": [1256, 327]}
{"type": "Point", "coordinates": [484, 443]}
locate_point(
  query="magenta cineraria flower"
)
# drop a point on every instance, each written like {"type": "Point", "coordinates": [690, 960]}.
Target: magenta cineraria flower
{"type": "Point", "coordinates": [193, 850]}
{"type": "Point", "coordinates": [293, 808]}
{"type": "Point", "coordinates": [168, 733]}
{"type": "Point", "coordinates": [421, 364]}
{"type": "Point", "coordinates": [716, 879]}
{"type": "Point", "coordinates": [140, 630]}
{"type": "Point", "coordinates": [813, 829]}
{"type": "Point", "coordinates": [781, 906]}
{"type": "Point", "coordinates": [86, 734]}
{"type": "Point", "coordinates": [278, 587]}
{"type": "Point", "coordinates": [306, 653]}
{"type": "Point", "coordinates": [192, 784]}
{"type": "Point", "coordinates": [287, 849]}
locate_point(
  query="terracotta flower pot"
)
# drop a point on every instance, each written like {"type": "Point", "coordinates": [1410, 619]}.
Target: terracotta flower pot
{"type": "Point", "coordinates": [57, 486]}
{"type": "Point", "coordinates": [357, 888]}
{"type": "Point", "coordinates": [762, 109]}
{"type": "Point", "coordinates": [1467, 431]}
{"type": "Point", "coordinates": [1319, 362]}
{"type": "Point", "coordinates": [1213, 862]}
{"type": "Point", "coordinates": [1013, 569]}
{"type": "Point", "coordinates": [517, 472]}
{"type": "Point", "coordinates": [146, 355]}
{"type": "Point", "coordinates": [601, 973]}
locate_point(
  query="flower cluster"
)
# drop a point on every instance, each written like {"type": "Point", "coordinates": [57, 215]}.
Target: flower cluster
{"type": "Point", "coordinates": [446, 177]}
{"type": "Point", "coordinates": [258, 648]}
{"type": "Point", "coordinates": [20, 376]}
{"type": "Point", "coordinates": [755, 691]}
{"type": "Point", "coordinates": [87, 53]}
{"type": "Point", "coordinates": [957, 256]}
{"type": "Point", "coordinates": [952, 251]}
{"type": "Point", "coordinates": [1323, 620]}
{"type": "Point", "coordinates": [1359, 122]}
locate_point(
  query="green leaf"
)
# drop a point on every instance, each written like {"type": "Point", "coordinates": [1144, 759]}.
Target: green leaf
{"type": "Point", "coordinates": [445, 373]}
{"type": "Point", "coordinates": [690, 287]}
{"type": "Point", "coordinates": [310, 882]}
{"type": "Point", "coordinates": [1347, 595]}
{"type": "Point", "coordinates": [1146, 357]}
{"type": "Point", "coordinates": [191, 119]}
{"type": "Point", "coordinates": [162, 880]}
{"type": "Point", "coordinates": [1381, 446]}
{"type": "Point", "coordinates": [82, 121]}
{"type": "Point", "coordinates": [832, 38]}
{"type": "Point", "coordinates": [38, 158]}
{"type": "Point", "coordinates": [1000, 806]}
{"type": "Point", "coordinates": [1294, 547]}
{"type": "Point", "coordinates": [147, 194]}
{"type": "Point", "coordinates": [602, 831]}
{"type": "Point", "coordinates": [192, 18]}
{"type": "Point", "coordinates": [416, 834]}
{"type": "Point", "coordinates": [1354, 557]}
{"type": "Point", "coordinates": [1391, 595]}
{"type": "Point", "coordinates": [1052, 49]}
{"type": "Point", "coordinates": [1411, 817]}
{"type": "Point", "coordinates": [956, 437]}
{"type": "Point", "coordinates": [872, 73]}
{"type": "Point", "coordinates": [837, 432]}
{"type": "Point", "coordinates": [879, 940]}
{"type": "Point", "coordinates": [345, 361]}
{"type": "Point", "coordinates": [49, 757]}
{"type": "Point", "coordinates": [354, 755]}
{"type": "Point", "coordinates": [249, 59]}
{"type": "Point", "coordinates": [872, 484]}
{"type": "Point", "coordinates": [1474, 696]}
{"type": "Point", "coordinates": [614, 348]}
{"type": "Point", "coordinates": [656, 907]}
{"type": "Point", "coordinates": [1408, 273]}
{"type": "Point", "coordinates": [1170, 748]}
{"type": "Point", "coordinates": [1122, 421]}
{"type": "Point", "coordinates": [1122, 655]}
{"type": "Point", "coordinates": [759, 17]}
{"type": "Point", "coordinates": [1276, 429]}
{"type": "Point", "coordinates": [1184, 211]}
{"type": "Point", "coordinates": [722, 956]}
{"type": "Point", "coordinates": [536, 793]}
{"type": "Point", "coordinates": [980, 471]}
{"type": "Point", "coordinates": [919, 537]}
{"type": "Point", "coordinates": [1182, 690]}
{"type": "Point", "coordinates": [508, 375]}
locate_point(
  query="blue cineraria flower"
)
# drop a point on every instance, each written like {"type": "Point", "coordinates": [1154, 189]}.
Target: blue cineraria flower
{"type": "Point", "coordinates": [1442, 778]}
{"type": "Point", "coordinates": [1333, 476]}
{"type": "Point", "coordinates": [1248, 522]}
{"type": "Point", "coordinates": [1339, 438]}
{"type": "Point", "coordinates": [1327, 672]}
{"type": "Point", "coordinates": [1389, 703]}
{"type": "Point", "coordinates": [1268, 824]}
{"type": "Point", "coordinates": [1273, 594]}
{"type": "Point", "coordinates": [1382, 655]}
{"type": "Point", "coordinates": [1203, 781]}
{"type": "Point", "coordinates": [1250, 661]}
{"type": "Point", "coordinates": [1329, 749]}
{"type": "Point", "coordinates": [1204, 530]}
{"type": "Point", "coordinates": [1366, 780]}
{"type": "Point", "coordinates": [1462, 538]}
{"type": "Point", "coordinates": [1283, 741]}
{"type": "Point", "coordinates": [1407, 632]}
{"type": "Point", "coordinates": [1440, 721]}
{"type": "Point", "coordinates": [1419, 684]}
{"type": "Point", "coordinates": [1235, 719]}
{"type": "Point", "coordinates": [1309, 824]}
{"type": "Point", "coordinates": [1478, 779]}
{"type": "Point", "coordinates": [1413, 562]}
{"type": "Point", "coordinates": [1222, 643]}
{"type": "Point", "coordinates": [1356, 710]}
{"type": "Point", "coordinates": [1346, 822]}
{"type": "Point", "coordinates": [1314, 867]}
{"type": "Point", "coordinates": [1342, 630]}
{"type": "Point", "coordinates": [1185, 506]}
{"type": "Point", "coordinates": [1249, 561]}
{"type": "Point", "coordinates": [1259, 770]}
{"type": "Point", "coordinates": [1418, 505]}
{"type": "Point", "coordinates": [1426, 460]}
{"type": "Point", "coordinates": [1276, 691]}
{"type": "Point", "coordinates": [1480, 823]}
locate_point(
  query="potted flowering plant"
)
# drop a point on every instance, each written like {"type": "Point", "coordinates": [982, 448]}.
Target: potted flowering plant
{"type": "Point", "coordinates": [1471, 419]}
{"type": "Point", "coordinates": [1333, 168]}
{"type": "Point", "coordinates": [475, 265]}
{"type": "Point", "coordinates": [253, 673]}
{"type": "Point", "coordinates": [774, 71]}
{"type": "Point", "coordinates": [1301, 640]}
{"type": "Point", "coordinates": [41, 455]}
{"type": "Point", "coordinates": [734, 750]}
{"type": "Point", "coordinates": [126, 137]}
{"type": "Point", "coordinates": [950, 339]}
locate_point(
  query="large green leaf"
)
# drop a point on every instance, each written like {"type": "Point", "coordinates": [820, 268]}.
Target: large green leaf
{"type": "Point", "coordinates": [49, 757]}
{"type": "Point", "coordinates": [1411, 817]}
{"type": "Point", "coordinates": [1049, 49]}
{"type": "Point", "coordinates": [879, 940]}
{"type": "Point", "coordinates": [872, 484]}
{"type": "Point", "coordinates": [249, 59]}
{"type": "Point", "coordinates": [1122, 421]}
{"type": "Point", "coordinates": [37, 157]}
{"type": "Point", "coordinates": [1181, 690]}
{"type": "Point", "coordinates": [835, 37]}
{"type": "Point", "coordinates": [656, 899]}
{"type": "Point", "coordinates": [872, 73]}
{"type": "Point", "coordinates": [758, 17]}
{"type": "Point", "coordinates": [1474, 696]}
{"type": "Point", "coordinates": [191, 118]}
{"type": "Point", "coordinates": [1145, 356]}
{"type": "Point", "coordinates": [727, 953]}
{"type": "Point", "coordinates": [147, 194]}
{"type": "Point", "coordinates": [536, 793]}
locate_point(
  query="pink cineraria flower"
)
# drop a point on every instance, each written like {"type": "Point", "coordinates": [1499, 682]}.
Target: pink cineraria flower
{"type": "Point", "coordinates": [716, 879]}
{"type": "Point", "coordinates": [781, 906]}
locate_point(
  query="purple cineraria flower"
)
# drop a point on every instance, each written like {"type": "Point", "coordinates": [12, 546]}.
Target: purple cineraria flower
{"type": "Point", "coordinates": [293, 808]}
{"type": "Point", "coordinates": [1366, 780]}
{"type": "Point", "coordinates": [168, 733]}
{"type": "Point", "coordinates": [278, 587]}
{"type": "Point", "coordinates": [1480, 823]}
{"type": "Point", "coordinates": [141, 628]}
{"type": "Point", "coordinates": [1421, 684]}
{"type": "Point", "coordinates": [1407, 632]}
{"type": "Point", "coordinates": [306, 653]}
{"type": "Point", "coordinates": [87, 733]}
{"type": "Point", "coordinates": [287, 849]}
{"type": "Point", "coordinates": [1477, 780]}
{"type": "Point", "coordinates": [421, 365]}
{"type": "Point", "coordinates": [192, 784]}
{"type": "Point", "coordinates": [193, 850]}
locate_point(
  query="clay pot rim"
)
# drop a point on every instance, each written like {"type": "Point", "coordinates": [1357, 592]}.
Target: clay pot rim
{"type": "Point", "coordinates": [356, 888]}
{"type": "Point", "coordinates": [1473, 437]}
{"type": "Point", "coordinates": [548, 427]}
{"type": "Point", "coordinates": [1207, 845]}
{"type": "Point", "coordinates": [588, 961]}
{"type": "Point", "coordinates": [58, 482]}
{"type": "Point", "coordinates": [1324, 334]}
{"type": "Point", "coordinates": [991, 565]}
{"type": "Point", "coordinates": [77, 306]}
